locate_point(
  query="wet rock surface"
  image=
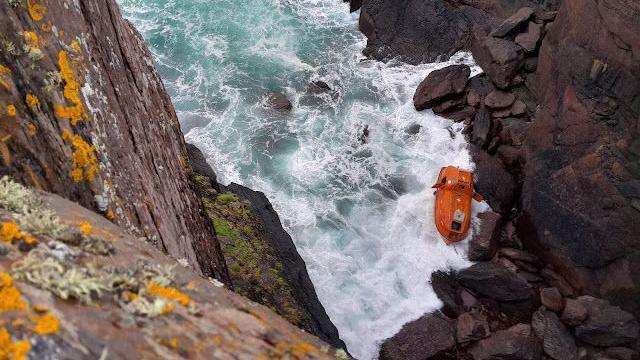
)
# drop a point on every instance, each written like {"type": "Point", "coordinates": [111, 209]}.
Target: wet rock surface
{"type": "Point", "coordinates": [441, 85]}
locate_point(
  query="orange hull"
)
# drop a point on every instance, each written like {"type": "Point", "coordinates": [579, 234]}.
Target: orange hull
{"type": "Point", "coordinates": [454, 194]}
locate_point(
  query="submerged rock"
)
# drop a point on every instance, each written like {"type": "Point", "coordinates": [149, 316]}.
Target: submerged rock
{"type": "Point", "coordinates": [279, 101]}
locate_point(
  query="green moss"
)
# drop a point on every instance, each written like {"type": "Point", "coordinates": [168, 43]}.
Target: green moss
{"type": "Point", "coordinates": [227, 198]}
{"type": "Point", "coordinates": [225, 228]}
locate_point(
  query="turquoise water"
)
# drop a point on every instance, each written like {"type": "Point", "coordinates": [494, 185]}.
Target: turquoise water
{"type": "Point", "coordinates": [360, 214]}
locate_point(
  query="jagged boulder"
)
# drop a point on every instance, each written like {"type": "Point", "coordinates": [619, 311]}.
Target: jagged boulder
{"type": "Point", "coordinates": [530, 39]}
{"type": "Point", "coordinates": [445, 285]}
{"type": "Point", "coordinates": [515, 343]}
{"type": "Point", "coordinates": [484, 244]}
{"type": "Point", "coordinates": [432, 336]}
{"type": "Point", "coordinates": [606, 325]}
{"type": "Point", "coordinates": [472, 326]}
{"type": "Point", "coordinates": [513, 22]}
{"type": "Point", "coordinates": [500, 59]}
{"type": "Point", "coordinates": [493, 181]}
{"type": "Point", "coordinates": [441, 85]}
{"type": "Point", "coordinates": [495, 282]}
{"type": "Point", "coordinates": [574, 313]}
{"type": "Point", "coordinates": [557, 342]}
{"type": "Point", "coordinates": [552, 299]}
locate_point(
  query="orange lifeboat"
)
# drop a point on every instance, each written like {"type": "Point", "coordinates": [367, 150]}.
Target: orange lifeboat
{"type": "Point", "coordinates": [454, 192]}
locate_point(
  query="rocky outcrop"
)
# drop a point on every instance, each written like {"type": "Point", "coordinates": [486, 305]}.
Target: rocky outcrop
{"type": "Point", "coordinates": [263, 261]}
{"type": "Point", "coordinates": [582, 163]}
{"type": "Point", "coordinates": [76, 286]}
{"type": "Point", "coordinates": [433, 336]}
{"type": "Point", "coordinates": [85, 115]}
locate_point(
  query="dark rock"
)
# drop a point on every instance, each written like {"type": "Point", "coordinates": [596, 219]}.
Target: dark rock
{"type": "Point", "coordinates": [473, 98]}
{"type": "Point", "coordinates": [516, 343]}
{"type": "Point", "coordinates": [468, 300]}
{"type": "Point", "coordinates": [529, 277]}
{"type": "Point", "coordinates": [448, 105]}
{"type": "Point", "coordinates": [520, 255]}
{"type": "Point", "coordinates": [279, 101]}
{"type": "Point", "coordinates": [530, 64]}
{"type": "Point", "coordinates": [500, 59]}
{"type": "Point", "coordinates": [294, 268]}
{"type": "Point", "coordinates": [526, 266]}
{"type": "Point", "coordinates": [501, 113]}
{"type": "Point", "coordinates": [446, 286]}
{"type": "Point", "coordinates": [472, 326]}
{"type": "Point", "coordinates": [432, 336]}
{"type": "Point", "coordinates": [552, 299]}
{"type": "Point", "coordinates": [440, 85]}
{"type": "Point", "coordinates": [499, 99]}
{"type": "Point", "coordinates": [481, 128]}
{"type": "Point", "coordinates": [513, 22]}
{"type": "Point", "coordinates": [318, 87]}
{"type": "Point", "coordinates": [493, 145]}
{"type": "Point", "coordinates": [514, 131]}
{"type": "Point", "coordinates": [493, 182]}
{"type": "Point", "coordinates": [507, 264]}
{"type": "Point", "coordinates": [413, 129]}
{"type": "Point", "coordinates": [417, 31]}
{"type": "Point", "coordinates": [518, 108]}
{"type": "Point", "coordinates": [606, 325]}
{"type": "Point", "coordinates": [546, 16]}
{"type": "Point", "coordinates": [530, 39]}
{"type": "Point", "coordinates": [556, 280]}
{"type": "Point", "coordinates": [557, 342]}
{"type": "Point", "coordinates": [495, 282]}
{"type": "Point", "coordinates": [574, 313]}
{"type": "Point", "coordinates": [458, 115]}
{"type": "Point", "coordinates": [484, 244]}
{"type": "Point", "coordinates": [200, 165]}
{"type": "Point", "coordinates": [509, 155]}
{"type": "Point", "coordinates": [622, 353]}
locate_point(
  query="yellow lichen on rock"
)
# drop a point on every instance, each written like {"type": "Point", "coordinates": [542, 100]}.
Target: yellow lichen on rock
{"type": "Point", "coordinates": [4, 72]}
{"type": "Point", "coordinates": [45, 324]}
{"type": "Point", "coordinates": [9, 232]}
{"type": "Point", "coordinates": [85, 161]}
{"type": "Point", "coordinates": [86, 228]}
{"type": "Point", "coordinates": [31, 39]}
{"type": "Point", "coordinates": [168, 293]}
{"type": "Point", "coordinates": [11, 110]}
{"type": "Point", "coordinates": [10, 350]}
{"type": "Point", "coordinates": [10, 297]}
{"type": "Point", "coordinates": [36, 10]}
{"type": "Point", "coordinates": [77, 111]}
{"type": "Point", "coordinates": [32, 101]}
{"type": "Point", "coordinates": [32, 129]}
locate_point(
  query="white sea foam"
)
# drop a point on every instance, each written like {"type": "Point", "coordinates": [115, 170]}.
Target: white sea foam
{"type": "Point", "coordinates": [359, 214]}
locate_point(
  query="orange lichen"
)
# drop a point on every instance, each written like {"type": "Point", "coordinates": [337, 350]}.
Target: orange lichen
{"type": "Point", "coordinates": [40, 308]}
{"type": "Point", "coordinates": [4, 72]}
{"type": "Point", "coordinates": [75, 45]}
{"type": "Point", "coordinates": [30, 240]}
{"type": "Point", "coordinates": [168, 293]}
{"type": "Point", "coordinates": [32, 101]}
{"type": "Point", "coordinates": [11, 110]}
{"type": "Point", "coordinates": [171, 343]}
{"type": "Point", "coordinates": [10, 232]}
{"type": "Point", "coordinates": [86, 228]}
{"type": "Point", "coordinates": [10, 350]}
{"type": "Point", "coordinates": [109, 215]}
{"type": "Point", "coordinates": [66, 134]}
{"type": "Point", "coordinates": [77, 111]}
{"type": "Point", "coordinates": [46, 27]}
{"type": "Point", "coordinates": [130, 296]}
{"type": "Point", "coordinates": [303, 349]}
{"type": "Point", "coordinates": [36, 10]}
{"type": "Point", "coordinates": [45, 324]}
{"type": "Point", "coordinates": [31, 128]}
{"type": "Point", "coordinates": [10, 298]}
{"type": "Point", "coordinates": [85, 162]}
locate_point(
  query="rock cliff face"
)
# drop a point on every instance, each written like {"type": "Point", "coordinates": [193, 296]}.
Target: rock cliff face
{"type": "Point", "coordinates": [263, 261]}
{"type": "Point", "coordinates": [85, 115]}
{"type": "Point", "coordinates": [581, 194]}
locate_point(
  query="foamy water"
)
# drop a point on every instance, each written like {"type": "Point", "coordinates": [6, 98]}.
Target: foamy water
{"type": "Point", "coordinates": [360, 214]}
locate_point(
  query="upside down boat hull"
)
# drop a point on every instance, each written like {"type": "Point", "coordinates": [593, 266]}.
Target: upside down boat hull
{"type": "Point", "coordinates": [453, 201]}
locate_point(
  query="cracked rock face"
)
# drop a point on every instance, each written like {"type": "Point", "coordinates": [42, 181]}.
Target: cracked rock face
{"type": "Point", "coordinates": [85, 115]}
